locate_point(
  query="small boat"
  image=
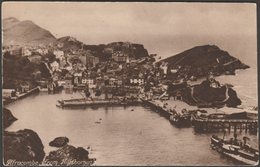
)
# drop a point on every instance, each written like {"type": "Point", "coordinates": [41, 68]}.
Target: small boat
{"type": "Point", "coordinates": [181, 119]}
{"type": "Point", "coordinates": [236, 150]}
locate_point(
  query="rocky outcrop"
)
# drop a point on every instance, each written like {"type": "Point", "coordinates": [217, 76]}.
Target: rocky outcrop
{"type": "Point", "coordinates": [102, 51]}
{"type": "Point", "coordinates": [220, 95]}
{"type": "Point", "coordinates": [8, 118]}
{"type": "Point", "coordinates": [200, 60]}
{"type": "Point", "coordinates": [69, 156]}
{"type": "Point", "coordinates": [135, 51]}
{"type": "Point", "coordinates": [59, 142]}
{"type": "Point", "coordinates": [207, 95]}
{"type": "Point", "coordinates": [23, 147]}
{"type": "Point", "coordinates": [233, 100]}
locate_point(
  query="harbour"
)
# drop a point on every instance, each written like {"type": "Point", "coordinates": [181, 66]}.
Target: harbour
{"type": "Point", "coordinates": [131, 126]}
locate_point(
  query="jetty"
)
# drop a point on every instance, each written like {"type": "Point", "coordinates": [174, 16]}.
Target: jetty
{"type": "Point", "coordinates": [21, 95]}
{"type": "Point", "coordinates": [176, 111]}
{"type": "Point", "coordinates": [205, 119]}
{"type": "Point", "coordinates": [158, 106]}
{"type": "Point", "coordinates": [85, 102]}
{"type": "Point", "coordinates": [236, 120]}
{"type": "Point", "coordinates": [29, 92]}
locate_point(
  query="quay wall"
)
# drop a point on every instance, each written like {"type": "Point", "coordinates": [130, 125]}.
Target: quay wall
{"type": "Point", "coordinates": [23, 95]}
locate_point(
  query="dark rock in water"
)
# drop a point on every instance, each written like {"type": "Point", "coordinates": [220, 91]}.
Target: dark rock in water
{"type": "Point", "coordinates": [59, 142]}
{"type": "Point", "coordinates": [8, 118]}
{"type": "Point", "coordinates": [23, 146]}
{"type": "Point", "coordinates": [70, 156]}
{"type": "Point", "coordinates": [233, 100]}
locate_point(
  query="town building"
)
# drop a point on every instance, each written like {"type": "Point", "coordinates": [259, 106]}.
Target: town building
{"type": "Point", "coordinates": [42, 51]}
{"type": "Point", "coordinates": [23, 88]}
{"type": "Point", "coordinates": [91, 60]}
{"type": "Point", "coordinates": [35, 58]}
{"type": "Point", "coordinates": [55, 66]}
{"type": "Point", "coordinates": [77, 78]}
{"type": "Point", "coordinates": [8, 93]}
{"type": "Point", "coordinates": [59, 54]}
{"type": "Point", "coordinates": [90, 82]}
{"type": "Point", "coordinates": [137, 81]}
{"type": "Point", "coordinates": [26, 52]}
{"type": "Point", "coordinates": [15, 50]}
{"type": "Point", "coordinates": [120, 57]}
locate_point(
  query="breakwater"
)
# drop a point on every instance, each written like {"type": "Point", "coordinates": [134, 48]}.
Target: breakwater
{"type": "Point", "coordinates": [21, 95]}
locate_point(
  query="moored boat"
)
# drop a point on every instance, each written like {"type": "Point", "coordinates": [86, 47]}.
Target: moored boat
{"type": "Point", "coordinates": [235, 149]}
{"type": "Point", "coordinates": [182, 119]}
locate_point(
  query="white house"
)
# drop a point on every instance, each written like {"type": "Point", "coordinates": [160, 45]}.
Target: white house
{"type": "Point", "coordinates": [55, 66]}
{"type": "Point", "coordinates": [89, 82]}
{"type": "Point", "coordinates": [69, 68]}
{"type": "Point", "coordinates": [26, 52]}
{"type": "Point", "coordinates": [164, 67]}
{"type": "Point", "coordinates": [8, 93]}
{"type": "Point", "coordinates": [59, 54]}
{"type": "Point", "coordinates": [138, 81]}
{"type": "Point", "coordinates": [42, 51]}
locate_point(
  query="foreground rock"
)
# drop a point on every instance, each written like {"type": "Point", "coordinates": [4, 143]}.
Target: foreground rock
{"type": "Point", "coordinates": [22, 148]}
{"type": "Point", "coordinates": [59, 142]}
{"type": "Point", "coordinates": [69, 156]}
{"type": "Point", "coordinates": [8, 118]}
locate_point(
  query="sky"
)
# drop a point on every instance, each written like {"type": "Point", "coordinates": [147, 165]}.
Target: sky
{"type": "Point", "coordinates": [164, 28]}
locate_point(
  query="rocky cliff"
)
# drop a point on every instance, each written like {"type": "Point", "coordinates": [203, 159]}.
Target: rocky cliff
{"type": "Point", "coordinates": [23, 146]}
{"type": "Point", "coordinates": [8, 118]}
{"type": "Point", "coordinates": [103, 51]}
{"type": "Point", "coordinates": [200, 60]}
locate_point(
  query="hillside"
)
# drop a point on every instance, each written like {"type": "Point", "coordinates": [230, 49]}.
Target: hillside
{"type": "Point", "coordinates": [103, 51]}
{"type": "Point", "coordinates": [24, 33]}
{"type": "Point", "coordinates": [200, 60]}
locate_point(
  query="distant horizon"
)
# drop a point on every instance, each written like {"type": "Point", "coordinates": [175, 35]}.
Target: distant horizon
{"type": "Point", "coordinates": [173, 28]}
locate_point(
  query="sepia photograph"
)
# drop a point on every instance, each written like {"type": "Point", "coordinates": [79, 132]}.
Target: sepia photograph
{"type": "Point", "coordinates": [129, 84]}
